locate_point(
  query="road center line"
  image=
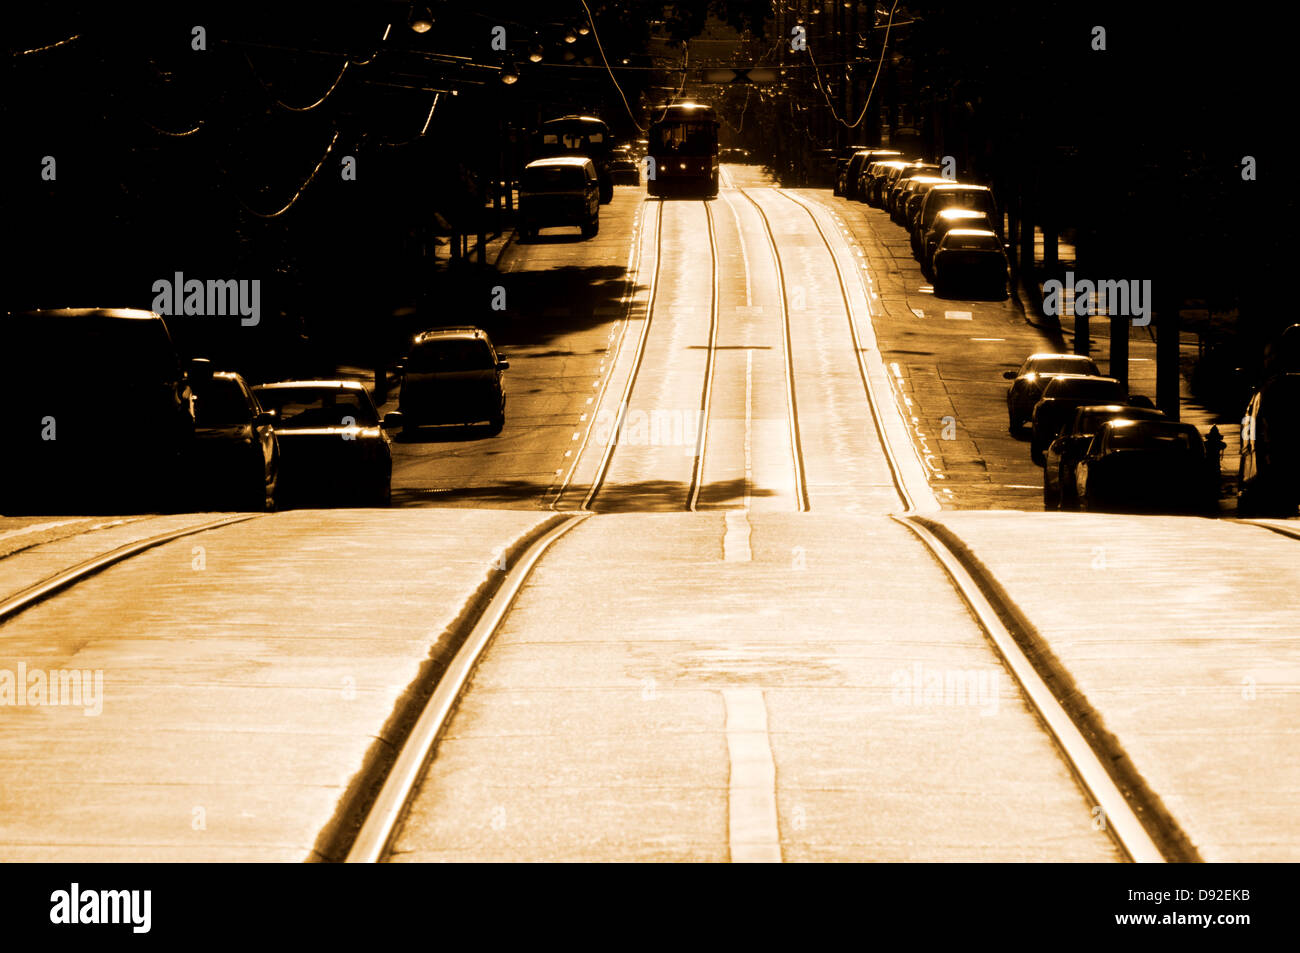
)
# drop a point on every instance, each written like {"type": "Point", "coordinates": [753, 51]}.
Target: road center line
{"type": "Point", "coordinates": [753, 832]}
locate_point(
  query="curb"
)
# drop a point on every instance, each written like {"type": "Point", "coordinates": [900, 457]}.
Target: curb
{"type": "Point", "coordinates": [335, 839]}
{"type": "Point", "coordinates": [1158, 821]}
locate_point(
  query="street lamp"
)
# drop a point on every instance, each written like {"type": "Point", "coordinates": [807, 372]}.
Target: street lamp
{"type": "Point", "coordinates": [420, 20]}
{"type": "Point", "coordinates": [509, 75]}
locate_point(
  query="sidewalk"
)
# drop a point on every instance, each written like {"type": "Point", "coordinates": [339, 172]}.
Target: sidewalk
{"type": "Point", "coordinates": [1142, 355]}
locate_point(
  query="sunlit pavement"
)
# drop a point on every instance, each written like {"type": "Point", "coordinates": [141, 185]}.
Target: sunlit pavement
{"type": "Point", "coordinates": [744, 683]}
{"type": "Point", "coordinates": [246, 674]}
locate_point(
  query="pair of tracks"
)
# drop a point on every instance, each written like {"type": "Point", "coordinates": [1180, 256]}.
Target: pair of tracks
{"type": "Point", "coordinates": [1133, 814]}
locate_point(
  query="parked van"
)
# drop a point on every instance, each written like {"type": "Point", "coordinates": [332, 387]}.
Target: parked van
{"type": "Point", "coordinates": [564, 190]}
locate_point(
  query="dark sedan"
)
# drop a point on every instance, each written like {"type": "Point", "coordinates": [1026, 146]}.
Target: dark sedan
{"type": "Point", "coordinates": [923, 247]}
{"type": "Point", "coordinates": [1269, 476]}
{"type": "Point", "coordinates": [236, 457]}
{"type": "Point", "coordinates": [332, 447]}
{"type": "Point", "coordinates": [970, 258]}
{"type": "Point", "coordinates": [1146, 466]}
{"type": "Point", "coordinates": [453, 376]}
{"type": "Point", "coordinates": [1064, 452]}
{"type": "Point", "coordinates": [1061, 398]}
{"type": "Point", "coordinates": [1038, 370]}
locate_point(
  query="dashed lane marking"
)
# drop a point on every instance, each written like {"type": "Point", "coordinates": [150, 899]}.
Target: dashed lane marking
{"type": "Point", "coordinates": [752, 829]}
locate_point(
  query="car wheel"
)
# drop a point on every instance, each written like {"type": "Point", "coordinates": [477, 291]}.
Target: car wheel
{"type": "Point", "coordinates": [1051, 496]}
{"type": "Point", "coordinates": [496, 424]}
{"type": "Point", "coordinates": [1036, 455]}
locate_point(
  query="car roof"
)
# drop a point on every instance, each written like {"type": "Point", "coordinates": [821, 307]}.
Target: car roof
{"type": "Point", "coordinates": [1143, 412]}
{"type": "Point", "coordinates": [465, 333]}
{"type": "Point", "coordinates": [1081, 377]}
{"type": "Point", "coordinates": [954, 213]}
{"type": "Point", "coordinates": [966, 186]}
{"type": "Point", "coordinates": [1044, 355]}
{"type": "Point", "coordinates": [136, 314]}
{"type": "Point", "coordinates": [320, 385]}
{"type": "Point", "coordinates": [577, 161]}
{"type": "Point", "coordinates": [1152, 423]}
{"type": "Point", "coordinates": [970, 232]}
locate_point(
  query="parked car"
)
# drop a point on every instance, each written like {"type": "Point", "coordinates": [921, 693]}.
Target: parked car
{"type": "Point", "coordinates": [971, 258]}
{"type": "Point", "coordinates": [453, 376]}
{"type": "Point", "coordinates": [853, 176]}
{"type": "Point", "coordinates": [849, 175]}
{"type": "Point", "coordinates": [564, 190]}
{"type": "Point", "coordinates": [1038, 370]}
{"type": "Point", "coordinates": [236, 457]}
{"type": "Point", "coordinates": [332, 446]}
{"type": "Point", "coordinates": [1268, 480]}
{"type": "Point", "coordinates": [1064, 394]}
{"type": "Point", "coordinates": [979, 198]}
{"type": "Point", "coordinates": [946, 219]}
{"type": "Point", "coordinates": [899, 178]}
{"type": "Point", "coordinates": [914, 192]}
{"type": "Point", "coordinates": [880, 171]}
{"type": "Point", "coordinates": [623, 167]}
{"type": "Point", "coordinates": [1146, 465]}
{"type": "Point", "coordinates": [1072, 442]}
{"type": "Point", "coordinates": [841, 163]}
{"type": "Point", "coordinates": [98, 392]}
{"type": "Point", "coordinates": [863, 186]}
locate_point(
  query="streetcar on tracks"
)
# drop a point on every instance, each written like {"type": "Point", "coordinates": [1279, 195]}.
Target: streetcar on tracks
{"type": "Point", "coordinates": [684, 151]}
{"type": "Point", "coordinates": [579, 136]}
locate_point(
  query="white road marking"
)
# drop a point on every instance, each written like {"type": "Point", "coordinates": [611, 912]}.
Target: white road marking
{"type": "Point", "coordinates": [749, 424]}
{"type": "Point", "coordinates": [988, 339]}
{"type": "Point", "coordinates": [753, 831]}
{"type": "Point", "coordinates": [918, 312]}
{"type": "Point", "coordinates": [958, 316]}
{"type": "Point", "coordinates": [735, 541]}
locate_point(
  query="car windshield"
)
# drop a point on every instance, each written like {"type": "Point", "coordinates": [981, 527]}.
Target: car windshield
{"type": "Point", "coordinates": [220, 403]}
{"type": "Point", "coordinates": [301, 408]}
{"type": "Point", "coordinates": [553, 178]}
{"type": "Point", "coordinates": [976, 199]}
{"type": "Point", "coordinates": [1062, 365]}
{"type": "Point", "coordinates": [968, 242]}
{"type": "Point", "coordinates": [1153, 436]}
{"type": "Point", "coordinates": [684, 138]}
{"type": "Point", "coordinates": [433, 357]}
{"type": "Point", "coordinates": [89, 347]}
{"type": "Point", "coordinates": [1096, 391]}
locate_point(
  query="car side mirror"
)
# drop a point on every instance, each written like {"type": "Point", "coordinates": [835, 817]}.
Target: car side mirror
{"type": "Point", "coordinates": [1009, 375]}
{"type": "Point", "coordinates": [392, 419]}
{"type": "Point", "coordinates": [200, 370]}
{"type": "Point", "coordinates": [264, 419]}
{"type": "Point", "coordinates": [503, 365]}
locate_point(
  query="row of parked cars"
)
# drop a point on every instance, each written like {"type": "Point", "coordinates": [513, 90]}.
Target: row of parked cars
{"type": "Point", "coordinates": [1102, 449]}
{"type": "Point", "coordinates": [105, 413]}
{"type": "Point", "coordinates": [955, 229]}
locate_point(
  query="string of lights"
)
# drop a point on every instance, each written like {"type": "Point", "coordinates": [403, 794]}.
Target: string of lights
{"type": "Point", "coordinates": [48, 46]}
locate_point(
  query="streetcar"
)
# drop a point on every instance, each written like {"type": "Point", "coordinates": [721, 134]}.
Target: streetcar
{"type": "Point", "coordinates": [579, 135]}
{"type": "Point", "coordinates": [684, 150]}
